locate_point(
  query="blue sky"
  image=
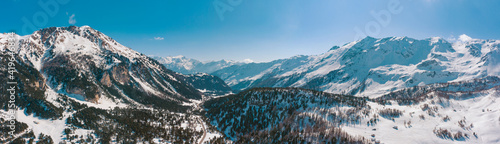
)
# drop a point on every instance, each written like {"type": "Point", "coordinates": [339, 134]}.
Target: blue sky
{"type": "Point", "coordinates": [261, 30]}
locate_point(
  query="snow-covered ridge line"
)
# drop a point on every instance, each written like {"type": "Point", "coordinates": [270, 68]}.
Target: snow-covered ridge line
{"type": "Point", "coordinates": [186, 65]}
{"type": "Point", "coordinates": [373, 66]}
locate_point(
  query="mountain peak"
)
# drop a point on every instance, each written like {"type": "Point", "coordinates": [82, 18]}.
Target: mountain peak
{"type": "Point", "coordinates": [395, 38]}
{"type": "Point", "coordinates": [179, 56]}
{"type": "Point", "coordinates": [464, 38]}
{"type": "Point", "coordinates": [247, 61]}
{"type": "Point", "coordinates": [85, 27]}
{"type": "Point", "coordinates": [69, 28]}
{"type": "Point", "coordinates": [368, 38]}
{"type": "Point", "coordinates": [435, 40]}
{"type": "Point", "coordinates": [334, 48]}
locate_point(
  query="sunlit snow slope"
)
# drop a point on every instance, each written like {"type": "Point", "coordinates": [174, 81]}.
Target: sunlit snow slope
{"type": "Point", "coordinates": [372, 67]}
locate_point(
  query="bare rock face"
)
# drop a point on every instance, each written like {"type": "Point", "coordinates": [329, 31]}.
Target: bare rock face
{"type": "Point", "coordinates": [95, 99]}
{"type": "Point", "coordinates": [38, 84]}
{"type": "Point", "coordinates": [120, 74]}
{"type": "Point", "coordinates": [105, 80]}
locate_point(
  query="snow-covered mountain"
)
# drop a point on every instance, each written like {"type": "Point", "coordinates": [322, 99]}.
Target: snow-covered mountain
{"type": "Point", "coordinates": [186, 65]}
{"type": "Point", "coordinates": [88, 65]}
{"type": "Point", "coordinates": [372, 67]}
{"type": "Point", "coordinates": [75, 84]}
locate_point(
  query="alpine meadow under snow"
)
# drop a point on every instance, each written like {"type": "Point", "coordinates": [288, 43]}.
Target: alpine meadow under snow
{"type": "Point", "coordinates": [77, 85]}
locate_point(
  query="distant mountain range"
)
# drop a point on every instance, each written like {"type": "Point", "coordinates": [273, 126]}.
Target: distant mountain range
{"type": "Point", "coordinates": [185, 65]}
{"type": "Point", "coordinates": [369, 67]}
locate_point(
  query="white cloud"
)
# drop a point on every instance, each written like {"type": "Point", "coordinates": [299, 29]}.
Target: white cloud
{"type": "Point", "coordinates": [72, 19]}
{"type": "Point", "coordinates": [159, 38]}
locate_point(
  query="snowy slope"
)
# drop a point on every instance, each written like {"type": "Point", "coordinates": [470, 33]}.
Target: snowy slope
{"type": "Point", "coordinates": [372, 67]}
{"type": "Point", "coordinates": [481, 117]}
{"type": "Point", "coordinates": [456, 112]}
{"type": "Point", "coordinates": [467, 107]}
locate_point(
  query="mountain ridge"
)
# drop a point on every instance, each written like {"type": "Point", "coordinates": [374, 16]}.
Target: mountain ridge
{"type": "Point", "coordinates": [186, 65]}
{"type": "Point", "coordinates": [72, 58]}
{"type": "Point", "coordinates": [75, 84]}
{"type": "Point", "coordinates": [358, 67]}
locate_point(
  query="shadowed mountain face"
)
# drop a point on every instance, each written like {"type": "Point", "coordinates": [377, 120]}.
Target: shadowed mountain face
{"type": "Point", "coordinates": [87, 65]}
{"type": "Point", "coordinates": [208, 84]}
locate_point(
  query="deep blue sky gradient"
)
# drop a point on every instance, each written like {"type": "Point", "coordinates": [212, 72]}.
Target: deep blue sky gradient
{"type": "Point", "coordinates": [261, 30]}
